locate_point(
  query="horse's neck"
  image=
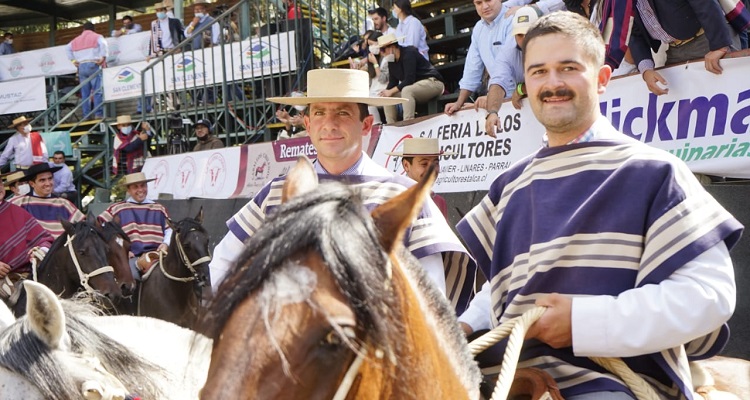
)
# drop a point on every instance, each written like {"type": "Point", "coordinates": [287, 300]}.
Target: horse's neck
{"type": "Point", "coordinates": [55, 273]}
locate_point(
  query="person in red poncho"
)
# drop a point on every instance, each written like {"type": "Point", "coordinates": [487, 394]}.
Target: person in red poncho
{"type": "Point", "coordinates": [130, 145]}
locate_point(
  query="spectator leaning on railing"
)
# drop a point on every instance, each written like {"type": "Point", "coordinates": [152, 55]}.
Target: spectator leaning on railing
{"type": "Point", "coordinates": [128, 27]}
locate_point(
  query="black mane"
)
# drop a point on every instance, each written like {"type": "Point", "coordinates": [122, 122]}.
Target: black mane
{"type": "Point", "coordinates": [332, 222]}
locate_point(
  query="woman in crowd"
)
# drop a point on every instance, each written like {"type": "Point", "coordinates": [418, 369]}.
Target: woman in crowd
{"type": "Point", "coordinates": [410, 30]}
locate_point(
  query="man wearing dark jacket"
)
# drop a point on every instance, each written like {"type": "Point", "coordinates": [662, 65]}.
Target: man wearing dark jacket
{"type": "Point", "coordinates": [206, 141]}
{"type": "Point", "coordinates": [411, 77]}
{"type": "Point", "coordinates": [166, 32]}
{"type": "Point", "coordinates": [693, 30]}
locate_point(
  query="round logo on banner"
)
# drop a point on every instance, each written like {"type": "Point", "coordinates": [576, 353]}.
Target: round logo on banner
{"type": "Point", "coordinates": [261, 168]}
{"type": "Point", "coordinates": [161, 173]}
{"type": "Point", "coordinates": [114, 54]}
{"type": "Point", "coordinates": [16, 67]}
{"type": "Point", "coordinates": [47, 63]}
{"type": "Point", "coordinates": [215, 174]}
{"type": "Point", "coordinates": [185, 178]}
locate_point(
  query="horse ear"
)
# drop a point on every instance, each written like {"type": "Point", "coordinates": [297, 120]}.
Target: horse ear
{"type": "Point", "coordinates": [199, 217]}
{"type": "Point", "coordinates": [394, 216]}
{"type": "Point", "coordinates": [45, 314]}
{"type": "Point", "coordinates": [300, 179]}
{"type": "Point", "coordinates": [69, 228]}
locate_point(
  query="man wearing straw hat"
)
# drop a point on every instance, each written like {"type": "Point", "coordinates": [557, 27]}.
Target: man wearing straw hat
{"type": "Point", "coordinates": [417, 155]}
{"type": "Point", "coordinates": [21, 234]}
{"type": "Point", "coordinates": [337, 121]}
{"type": "Point", "coordinates": [40, 203]}
{"type": "Point", "coordinates": [26, 147]}
{"type": "Point", "coordinates": [143, 220]}
{"type": "Point", "coordinates": [130, 145]}
{"type": "Point", "coordinates": [13, 185]}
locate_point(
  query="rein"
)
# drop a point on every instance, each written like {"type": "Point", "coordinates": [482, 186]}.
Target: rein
{"type": "Point", "coordinates": [185, 261]}
{"type": "Point", "coordinates": [83, 277]}
{"type": "Point", "coordinates": [515, 329]}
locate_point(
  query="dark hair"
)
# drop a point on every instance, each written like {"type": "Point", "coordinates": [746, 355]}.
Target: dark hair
{"type": "Point", "coordinates": [88, 26]}
{"type": "Point", "coordinates": [380, 11]}
{"type": "Point", "coordinates": [58, 152]}
{"type": "Point", "coordinates": [364, 111]}
{"type": "Point", "coordinates": [405, 6]}
{"type": "Point", "coordinates": [375, 35]}
{"type": "Point", "coordinates": [409, 159]}
{"type": "Point", "coordinates": [582, 32]}
{"type": "Point", "coordinates": [8, 34]}
{"type": "Point", "coordinates": [128, 17]}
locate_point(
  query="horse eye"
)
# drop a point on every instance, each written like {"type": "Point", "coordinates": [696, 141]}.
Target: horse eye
{"type": "Point", "coordinates": [333, 338]}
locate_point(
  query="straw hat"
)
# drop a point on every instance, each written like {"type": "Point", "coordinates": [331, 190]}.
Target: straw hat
{"type": "Point", "coordinates": [19, 121]}
{"type": "Point", "coordinates": [12, 177]}
{"type": "Point", "coordinates": [388, 38]}
{"type": "Point", "coordinates": [136, 177]}
{"type": "Point", "coordinates": [160, 5]}
{"type": "Point", "coordinates": [37, 169]}
{"type": "Point", "coordinates": [122, 119]}
{"type": "Point", "coordinates": [421, 147]}
{"type": "Point", "coordinates": [338, 85]}
{"type": "Point", "coordinates": [203, 2]}
{"type": "Point", "coordinates": [524, 18]}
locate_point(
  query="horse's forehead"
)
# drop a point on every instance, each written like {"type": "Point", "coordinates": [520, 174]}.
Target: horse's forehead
{"type": "Point", "coordinates": [90, 374]}
{"type": "Point", "coordinates": [292, 284]}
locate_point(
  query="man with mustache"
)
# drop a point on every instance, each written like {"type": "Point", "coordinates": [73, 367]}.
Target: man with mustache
{"type": "Point", "coordinates": [617, 239]}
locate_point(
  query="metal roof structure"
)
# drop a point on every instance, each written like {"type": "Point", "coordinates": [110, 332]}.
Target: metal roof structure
{"type": "Point", "coordinates": [17, 13]}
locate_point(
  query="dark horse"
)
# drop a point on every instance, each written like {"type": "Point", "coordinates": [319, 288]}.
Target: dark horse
{"type": "Point", "coordinates": [172, 289]}
{"type": "Point", "coordinates": [326, 303]}
{"type": "Point", "coordinates": [77, 260]}
{"type": "Point", "coordinates": [118, 247]}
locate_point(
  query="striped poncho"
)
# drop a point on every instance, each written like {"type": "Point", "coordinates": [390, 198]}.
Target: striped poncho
{"type": "Point", "coordinates": [49, 211]}
{"type": "Point", "coordinates": [429, 234]}
{"type": "Point", "coordinates": [144, 223]}
{"type": "Point", "coordinates": [595, 219]}
{"type": "Point", "coordinates": [20, 233]}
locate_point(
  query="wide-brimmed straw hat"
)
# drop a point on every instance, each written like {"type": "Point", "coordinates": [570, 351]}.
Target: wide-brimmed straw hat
{"type": "Point", "coordinates": [136, 177]}
{"type": "Point", "coordinates": [19, 121]}
{"type": "Point", "coordinates": [160, 5]}
{"type": "Point", "coordinates": [524, 18]}
{"type": "Point", "coordinates": [123, 119]}
{"type": "Point", "coordinates": [415, 147]}
{"type": "Point", "coordinates": [338, 86]}
{"type": "Point", "coordinates": [388, 38]}
{"type": "Point", "coordinates": [37, 169]}
{"type": "Point", "coordinates": [12, 177]}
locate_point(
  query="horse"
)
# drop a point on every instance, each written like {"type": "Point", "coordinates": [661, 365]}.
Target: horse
{"type": "Point", "coordinates": [118, 248]}
{"type": "Point", "coordinates": [170, 363]}
{"type": "Point", "coordinates": [76, 261]}
{"type": "Point", "coordinates": [326, 303]}
{"type": "Point", "coordinates": [172, 289]}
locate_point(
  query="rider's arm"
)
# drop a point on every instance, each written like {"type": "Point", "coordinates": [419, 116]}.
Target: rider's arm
{"type": "Point", "coordinates": [433, 265]}
{"type": "Point", "coordinates": [477, 316]}
{"type": "Point", "coordinates": [695, 300]}
{"type": "Point", "coordinates": [224, 258]}
{"type": "Point", "coordinates": [167, 235]}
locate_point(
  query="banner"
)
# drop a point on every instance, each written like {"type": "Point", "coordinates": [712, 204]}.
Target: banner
{"type": "Point", "coordinates": [704, 120]}
{"type": "Point", "coordinates": [58, 141]}
{"type": "Point", "coordinates": [248, 59]}
{"type": "Point", "coordinates": [23, 95]}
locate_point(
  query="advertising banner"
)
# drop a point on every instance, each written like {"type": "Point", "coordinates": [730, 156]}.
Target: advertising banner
{"type": "Point", "coordinates": [23, 95]}
{"type": "Point", "coordinates": [58, 141]}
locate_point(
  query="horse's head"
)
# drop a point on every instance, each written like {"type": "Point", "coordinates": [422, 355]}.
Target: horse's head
{"type": "Point", "coordinates": [83, 253]}
{"type": "Point", "coordinates": [64, 358]}
{"type": "Point", "coordinates": [323, 299]}
{"type": "Point", "coordinates": [190, 242]}
{"type": "Point", "coordinates": [118, 247]}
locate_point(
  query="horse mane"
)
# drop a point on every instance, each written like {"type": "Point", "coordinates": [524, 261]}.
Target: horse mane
{"type": "Point", "coordinates": [25, 354]}
{"type": "Point", "coordinates": [332, 222]}
{"type": "Point", "coordinates": [82, 230]}
{"type": "Point", "coordinates": [111, 229]}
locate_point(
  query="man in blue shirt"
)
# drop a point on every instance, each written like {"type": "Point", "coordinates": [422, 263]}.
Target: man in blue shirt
{"type": "Point", "coordinates": [63, 178]}
{"type": "Point", "coordinates": [6, 47]}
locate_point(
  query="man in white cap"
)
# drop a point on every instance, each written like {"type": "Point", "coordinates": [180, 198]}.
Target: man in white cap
{"type": "Point", "coordinates": [417, 156]}
{"type": "Point", "coordinates": [46, 208]}
{"type": "Point", "coordinates": [142, 219]}
{"type": "Point", "coordinates": [336, 122]}
{"type": "Point", "coordinates": [509, 69]}
{"type": "Point", "coordinates": [26, 147]}
{"type": "Point", "coordinates": [491, 39]}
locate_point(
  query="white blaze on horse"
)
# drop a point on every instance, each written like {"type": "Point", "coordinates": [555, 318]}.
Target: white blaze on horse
{"type": "Point", "coordinates": [327, 304]}
{"type": "Point", "coordinates": [61, 351]}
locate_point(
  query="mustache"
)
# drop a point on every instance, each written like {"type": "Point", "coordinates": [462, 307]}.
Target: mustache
{"type": "Point", "coordinates": [557, 93]}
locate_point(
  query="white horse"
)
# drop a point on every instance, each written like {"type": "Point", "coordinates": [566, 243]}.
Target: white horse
{"type": "Point", "coordinates": [60, 351]}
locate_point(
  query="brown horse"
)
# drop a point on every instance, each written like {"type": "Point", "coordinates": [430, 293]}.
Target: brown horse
{"type": "Point", "coordinates": [328, 304]}
{"type": "Point", "coordinates": [118, 247]}
{"type": "Point", "coordinates": [172, 289]}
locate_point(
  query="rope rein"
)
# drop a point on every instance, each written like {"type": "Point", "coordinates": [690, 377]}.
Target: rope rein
{"type": "Point", "coordinates": [515, 329]}
{"type": "Point", "coordinates": [185, 260]}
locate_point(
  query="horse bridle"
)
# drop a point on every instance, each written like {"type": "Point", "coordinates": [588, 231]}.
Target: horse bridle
{"type": "Point", "coordinates": [185, 261]}
{"type": "Point", "coordinates": [82, 276]}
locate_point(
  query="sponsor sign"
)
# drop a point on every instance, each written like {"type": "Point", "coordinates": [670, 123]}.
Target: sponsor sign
{"type": "Point", "coordinates": [23, 95]}
{"type": "Point", "coordinates": [58, 141]}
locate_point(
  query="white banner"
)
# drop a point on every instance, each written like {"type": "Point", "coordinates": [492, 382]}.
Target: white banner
{"type": "Point", "coordinates": [704, 120]}
{"type": "Point", "coordinates": [248, 59]}
{"type": "Point", "coordinates": [23, 95]}
{"type": "Point", "coordinates": [28, 64]}
{"type": "Point", "coordinates": [128, 48]}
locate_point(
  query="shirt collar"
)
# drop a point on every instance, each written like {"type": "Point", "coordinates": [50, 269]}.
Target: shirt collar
{"type": "Point", "coordinates": [589, 135]}
{"type": "Point", "coordinates": [497, 19]}
{"type": "Point", "coordinates": [147, 201]}
{"type": "Point", "coordinates": [353, 170]}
